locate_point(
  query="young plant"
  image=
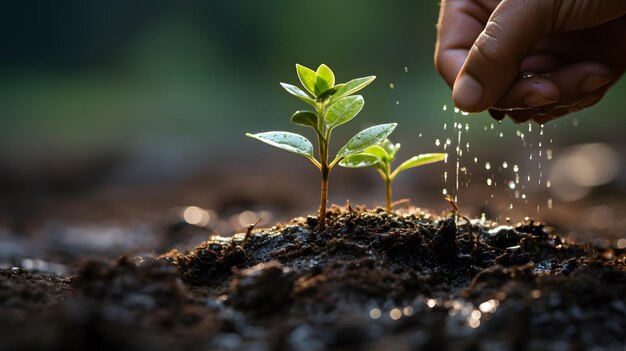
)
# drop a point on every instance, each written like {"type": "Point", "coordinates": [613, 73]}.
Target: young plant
{"type": "Point", "coordinates": [333, 105]}
{"type": "Point", "coordinates": [381, 156]}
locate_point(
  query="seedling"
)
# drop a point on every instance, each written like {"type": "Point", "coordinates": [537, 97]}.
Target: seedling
{"type": "Point", "coordinates": [333, 106]}
{"type": "Point", "coordinates": [381, 156]}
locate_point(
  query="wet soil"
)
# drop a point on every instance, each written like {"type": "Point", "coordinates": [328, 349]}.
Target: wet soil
{"type": "Point", "coordinates": [372, 280]}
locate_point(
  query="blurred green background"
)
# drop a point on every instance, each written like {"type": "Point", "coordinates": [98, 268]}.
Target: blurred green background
{"type": "Point", "coordinates": [79, 76]}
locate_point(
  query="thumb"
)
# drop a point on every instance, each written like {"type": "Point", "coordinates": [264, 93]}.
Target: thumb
{"type": "Point", "coordinates": [493, 62]}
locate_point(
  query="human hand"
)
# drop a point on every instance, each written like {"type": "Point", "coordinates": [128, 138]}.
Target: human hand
{"type": "Point", "coordinates": [533, 59]}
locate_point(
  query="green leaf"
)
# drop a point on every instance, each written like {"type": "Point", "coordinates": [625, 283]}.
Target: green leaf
{"type": "Point", "coordinates": [359, 161]}
{"type": "Point", "coordinates": [299, 93]}
{"type": "Point", "coordinates": [366, 138]}
{"type": "Point", "coordinates": [330, 92]}
{"type": "Point", "coordinates": [377, 151]}
{"type": "Point", "coordinates": [287, 141]}
{"type": "Point", "coordinates": [307, 77]}
{"type": "Point", "coordinates": [352, 87]}
{"type": "Point", "coordinates": [305, 118]}
{"type": "Point", "coordinates": [417, 161]}
{"type": "Point", "coordinates": [391, 148]}
{"type": "Point", "coordinates": [344, 110]}
{"type": "Point", "coordinates": [325, 79]}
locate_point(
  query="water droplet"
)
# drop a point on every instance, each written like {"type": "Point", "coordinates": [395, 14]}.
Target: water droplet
{"type": "Point", "coordinates": [406, 69]}
{"type": "Point", "coordinates": [456, 110]}
{"type": "Point", "coordinates": [523, 196]}
{"type": "Point", "coordinates": [391, 86]}
{"type": "Point", "coordinates": [475, 159]}
{"type": "Point", "coordinates": [549, 203]}
{"type": "Point", "coordinates": [445, 107]}
{"type": "Point", "coordinates": [549, 154]}
{"type": "Point", "coordinates": [465, 113]}
{"type": "Point", "coordinates": [419, 135]}
{"type": "Point", "coordinates": [489, 181]}
{"type": "Point", "coordinates": [397, 102]}
{"type": "Point", "coordinates": [530, 127]}
{"type": "Point", "coordinates": [511, 184]}
{"type": "Point", "coordinates": [548, 184]}
{"type": "Point", "coordinates": [515, 168]}
{"type": "Point", "coordinates": [448, 141]}
{"type": "Point", "coordinates": [505, 165]}
{"type": "Point", "coordinates": [491, 126]}
{"type": "Point", "coordinates": [437, 142]}
{"type": "Point", "coordinates": [375, 313]}
{"type": "Point", "coordinates": [501, 134]}
{"type": "Point", "coordinates": [575, 122]}
{"type": "Point", "coordinates": [445, 126]}
{"type": "Point", "coordinates": [510, 207]}
{"type": "Point", "coordinates": [445, 177]}
{"type": "Point", "coordinates": [444, 191]}
{"type": "Point", "coordinates": [487, 165]}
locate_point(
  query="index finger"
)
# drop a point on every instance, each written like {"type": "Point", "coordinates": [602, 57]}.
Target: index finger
{"type": "Point", "coordinates": [460, 23]}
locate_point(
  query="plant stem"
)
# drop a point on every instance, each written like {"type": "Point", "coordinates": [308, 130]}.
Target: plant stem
{"type": "Point", "coordinates": [324, 197]}
{"type": "Point", "coordinates": [322, 142]}
{"type": "Point", "coordinates": [388, 188]}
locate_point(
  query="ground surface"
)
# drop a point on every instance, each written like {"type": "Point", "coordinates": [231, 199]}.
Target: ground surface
{"type": "Point", "coordinates": [372, 280]}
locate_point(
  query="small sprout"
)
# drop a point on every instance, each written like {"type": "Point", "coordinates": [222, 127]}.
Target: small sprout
{"type": "Point", "coordinates": [333, 105]}
{"type": "Point", "coordinates": [249, 230]}
{"type": "Point", "coordinates": [455, 214]}
{"type": "Point", "coordinates": [380, 157]}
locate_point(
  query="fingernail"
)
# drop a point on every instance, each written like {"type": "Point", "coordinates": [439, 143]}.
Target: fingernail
{"type": "Point", "coordinates": [536, 100]}
{"type": "Point", "coordinates": [467, 93]}
{"type": "Point", "coordinates": [593, 83]}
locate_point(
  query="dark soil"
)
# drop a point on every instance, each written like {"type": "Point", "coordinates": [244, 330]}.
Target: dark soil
{"type": "Point", "coordinates": [372, 280]}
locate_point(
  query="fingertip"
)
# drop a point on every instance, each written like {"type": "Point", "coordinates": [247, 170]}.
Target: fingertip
{"type": "Point", "coordinates": [467, 93]}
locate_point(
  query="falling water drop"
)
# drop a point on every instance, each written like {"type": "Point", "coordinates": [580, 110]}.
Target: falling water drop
{"type": "Point", "coordinates": [445, 107]}
{"type": "Point", "coordinates": [487, 165]}
{"type": "Point", "coordinates": [489, 181]}
{"type": "Point", "coordinates": [505, 165]}
{"type": "Point", "coordinates": [437, 142]}
{"type": "Point", "coordinates": [391, 86]}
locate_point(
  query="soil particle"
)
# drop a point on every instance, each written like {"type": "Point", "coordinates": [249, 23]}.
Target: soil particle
{"type": "Point", "coordinates": [445, 245]}
{"type": "Point", "coordinates": [263, 289]}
